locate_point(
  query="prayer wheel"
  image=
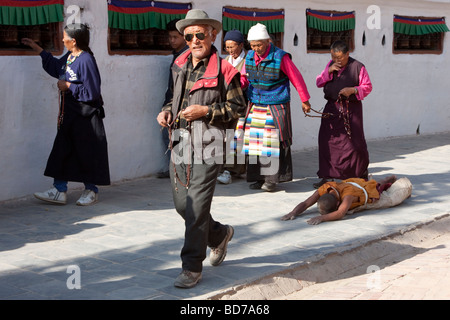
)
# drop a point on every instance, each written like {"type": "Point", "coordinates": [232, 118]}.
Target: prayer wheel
{"type": "Point", "coordinates": [425, 42]}
{"type": "Point", "coordinates": [145, 38]}
{"type": "Point", "coordinates": [316, 40]}
{"type": "Point", "coordinates": [33, 32]}
{"type": "Point", "coordinates": [114, 38]}
{"type": "Point", "coordinates": [403, 43]}
{"type": "Point", "coordinates": [326, 41]}
{"type": "Point", "coordinates": [10, 36]}
{"type": "Point", "coordinates": [415, 42]}
{"type": "Point", "coordinates": [129, 39]}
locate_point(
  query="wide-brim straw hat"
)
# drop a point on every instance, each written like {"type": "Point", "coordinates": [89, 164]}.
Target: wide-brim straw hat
{"type": "Point", "coordinates": [196, 17]}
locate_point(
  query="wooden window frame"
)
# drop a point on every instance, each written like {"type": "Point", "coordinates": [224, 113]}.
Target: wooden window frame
{"type": "Point", "coordinates": [417, 44]}
{"type": "Point", "coordinates": [135, 40]}
{"type": "Point", "coordinates": [327, 38]}
{"type": "Point", "coordinates": [277, 38]}
{"type": "Point", "coordinates": [134, 37]}
{"type": "Point", "coordinates": [53, 31]}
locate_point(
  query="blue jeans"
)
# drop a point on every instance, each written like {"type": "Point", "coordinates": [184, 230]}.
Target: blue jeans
{"type": "Point", "coordinates": [61, 186]}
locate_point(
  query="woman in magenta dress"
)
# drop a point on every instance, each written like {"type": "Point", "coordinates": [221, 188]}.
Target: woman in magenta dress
{"type": "Point", "coordinates": [343, 150]}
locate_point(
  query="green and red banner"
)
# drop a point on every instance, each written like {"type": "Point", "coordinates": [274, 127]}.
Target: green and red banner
{"type": "Point", "coordinates": [419, 26]}
{"type": "Point", "coordinates": [243, 20]}
{"type": "Point", "coordinates": [31, 12]}
{"type": "Point", "coordinates": [330, 21]}
{"type": "Point", "coordinates": [141, 15]}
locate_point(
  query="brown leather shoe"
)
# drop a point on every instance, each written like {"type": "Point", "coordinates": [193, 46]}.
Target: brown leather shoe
{"type": "Point", "coordinates": [217, 255]}
{"type": "Point", "coordinates": [187, 279]}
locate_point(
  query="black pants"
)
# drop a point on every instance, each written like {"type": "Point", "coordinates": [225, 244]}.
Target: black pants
{"type": "Point", "coordinates": [194, 204]}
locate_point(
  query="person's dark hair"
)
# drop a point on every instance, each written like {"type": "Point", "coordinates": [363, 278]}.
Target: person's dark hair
{"type": "Point", "coordinates": [327, 203]}
{"type": "Point", "coordinates": [171, 26]}
{"type": "Point", "coordinates": [339, 46]}
{"type": "Point", "coordinates": [80, 32]}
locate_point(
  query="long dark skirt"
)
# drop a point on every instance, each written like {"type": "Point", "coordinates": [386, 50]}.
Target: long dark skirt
{"type": "Point", "coordinates": [271, 169]}
{"type": "Point", "coordinates": [80, 151]}
{"type": "Point", "coordinates": [339, 156]}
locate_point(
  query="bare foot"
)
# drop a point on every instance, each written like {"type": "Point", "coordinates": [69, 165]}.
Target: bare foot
{"type": "Point", "coordinates": [390, 179]}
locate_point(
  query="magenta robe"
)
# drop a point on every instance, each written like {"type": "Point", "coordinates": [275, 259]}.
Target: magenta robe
{"type": "Point", "coordinates": [342, 156]}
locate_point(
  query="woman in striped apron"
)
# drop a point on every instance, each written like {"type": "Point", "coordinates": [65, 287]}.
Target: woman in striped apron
{"type": "Point", "coordinates": [268, 128]}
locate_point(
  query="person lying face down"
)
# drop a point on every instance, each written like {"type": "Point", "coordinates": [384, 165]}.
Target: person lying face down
{"type": "Point", "coordinates": [335, 199]}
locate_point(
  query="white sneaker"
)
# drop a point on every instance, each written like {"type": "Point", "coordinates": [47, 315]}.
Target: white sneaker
{"type": "Point", "coordinates": [225, 177]}
{"type": "Point", "coordinates": [52, 195]}
{"type": "Point", "coordinates": [87, 198]}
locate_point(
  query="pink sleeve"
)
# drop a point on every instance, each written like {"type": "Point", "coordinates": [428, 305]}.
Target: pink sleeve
{"type": "Point", "coordinates": [324, 77]}
{"type": "Point", "coordinates": [244, 80]}
{"type": "Point", "coordinates": [296, 78]}
{"type": "Point", "coordinates": [365, 85]}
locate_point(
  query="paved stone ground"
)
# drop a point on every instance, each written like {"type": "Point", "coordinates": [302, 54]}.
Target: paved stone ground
{"type": "Point", "coordinates": [420, 270]}
{"type": "Point", "coordinates": [127, 246]}
{"type": "Point", "coordinates": [413, 264]}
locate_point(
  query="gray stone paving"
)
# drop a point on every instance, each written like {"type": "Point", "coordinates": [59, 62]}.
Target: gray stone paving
{"type": "Point", "coordinates": [127, 246]}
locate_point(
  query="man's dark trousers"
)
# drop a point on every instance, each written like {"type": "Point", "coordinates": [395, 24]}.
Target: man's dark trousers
{"type": "Point", "coordinates": [194, 204]}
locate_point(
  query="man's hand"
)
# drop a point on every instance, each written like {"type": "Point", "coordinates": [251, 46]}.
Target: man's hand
{"type": "Point", "coordinates": [290, 216]}
{"type": "Point", "coordinates": [315, 220]}
{"type": "Point", "coordinates": [194, 112]}
{"type": "Point", "coordinates": [164, 118]}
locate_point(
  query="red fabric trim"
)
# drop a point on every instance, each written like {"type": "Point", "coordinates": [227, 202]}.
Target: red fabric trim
{"type": "Point", "coordinates": [334, 18]}
{"type": "Point", "coordinates": [419, 23]}
{"type": "Point", "coordinates": [145, 10]}
{"type": "Point", "coordinates": [11, 3]}
{"type": "Point", "coordinates": [239, 17]}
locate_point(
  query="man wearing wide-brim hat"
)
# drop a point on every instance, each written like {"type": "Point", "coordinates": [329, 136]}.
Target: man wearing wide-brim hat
{"type": "Point", "coordinates": [207, 100]}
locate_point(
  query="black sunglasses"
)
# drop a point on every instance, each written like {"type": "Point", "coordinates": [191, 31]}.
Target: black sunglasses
{"type": "Point", "coordinates": [189, 36]}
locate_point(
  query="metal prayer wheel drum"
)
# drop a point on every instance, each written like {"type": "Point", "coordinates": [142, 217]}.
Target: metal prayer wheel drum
{"type": "Point", "coordinates": [129, 39]}
{"type": "Point", "coordinates": [9, 36]}
{"type": "Point", "coordinates": [161, 38]}
{"type": "Point", "coordinates": [31, 32]}
{"type": "Point", "coordinates": [403, 42]}
{"type": "Point", "coordinates": [114, 38]}
{"type": "Point", "coordinates": [425, 42]}
{"type": "Point", "coordinates": [415, 42]}
{"type": "Point", "coordinates": [326, 41]}
{"type": "Point", "coordinates": [145, 38]}
{"type": "Point", "coordinates": [335, 37]}
{"type": "Point", "coordinates": [47, 41]}
{"type": "Point", "coordinates": [316, 40]}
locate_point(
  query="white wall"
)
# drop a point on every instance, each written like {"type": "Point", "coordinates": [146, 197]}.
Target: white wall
{"type": "Point", "coordinates": [408, 90]}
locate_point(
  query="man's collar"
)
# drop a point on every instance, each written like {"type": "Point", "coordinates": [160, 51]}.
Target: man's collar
{"type": "Point", "coordinates": [204, 60]}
